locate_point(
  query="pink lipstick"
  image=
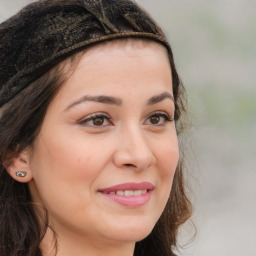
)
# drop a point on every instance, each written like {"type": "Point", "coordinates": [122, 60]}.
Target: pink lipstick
{"type": "Point", "coordinates": [129, 194]}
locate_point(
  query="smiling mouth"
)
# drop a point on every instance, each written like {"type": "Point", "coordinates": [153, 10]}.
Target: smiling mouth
{"type": "Point", "coordinates": [129, 194]}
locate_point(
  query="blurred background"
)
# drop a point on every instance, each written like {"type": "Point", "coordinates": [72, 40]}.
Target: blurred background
{"type": "Point", "coordinates": [214, 44]}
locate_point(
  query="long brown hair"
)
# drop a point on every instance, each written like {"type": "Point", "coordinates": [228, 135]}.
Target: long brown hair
{"type": "Point", "coordinates": [20, 122]}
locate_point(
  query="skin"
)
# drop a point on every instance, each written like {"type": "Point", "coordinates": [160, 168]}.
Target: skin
{"type": "Point", "coordinates": [72, 158]}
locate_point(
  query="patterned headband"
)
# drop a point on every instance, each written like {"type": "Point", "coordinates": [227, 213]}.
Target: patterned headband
{"type": "Point", "coordinates": [48, 31]}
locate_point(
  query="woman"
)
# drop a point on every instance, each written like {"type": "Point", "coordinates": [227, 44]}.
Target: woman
{"type": "Point", "coordinates": [90, 110]}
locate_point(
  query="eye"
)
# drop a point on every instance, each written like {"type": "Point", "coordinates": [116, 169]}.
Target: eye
{"type": "Point", "coordinates": [96, 120]}
{"type": "Point", "coordinates": [159, 118]}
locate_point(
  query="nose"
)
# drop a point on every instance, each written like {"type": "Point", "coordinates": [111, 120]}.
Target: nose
{"type": "Point", "coordinates": [133, 151]}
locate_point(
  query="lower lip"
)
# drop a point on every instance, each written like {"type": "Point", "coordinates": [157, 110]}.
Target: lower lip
{"type": "Point", "coordinates": [130, 201]}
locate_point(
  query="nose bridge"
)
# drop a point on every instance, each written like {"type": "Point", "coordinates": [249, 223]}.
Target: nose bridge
{"type": "Point", "coordinates": [134, 149]}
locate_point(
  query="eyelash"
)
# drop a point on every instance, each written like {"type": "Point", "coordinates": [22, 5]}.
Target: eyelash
{"type": "Point", "coordinates": [163, 115]}
{"type": "Point", "coordinates": [106, 117]}
{"type": "Point", "coordinates": [93, 117]}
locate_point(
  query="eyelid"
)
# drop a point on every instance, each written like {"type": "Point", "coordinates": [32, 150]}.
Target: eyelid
{"type": "Point", "coordinates": [85, 121]}
{"type": "Point", "coordinates": [90, 117]}
{"type": "Point", "coordinates": [163, 114]}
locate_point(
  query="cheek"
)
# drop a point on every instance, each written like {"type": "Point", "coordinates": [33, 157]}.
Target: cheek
{"type": "Point", "coordinates": [69, 158]}
{"type": "Point", "coordinates": [62, 169]}
{"type": "Point", "coordinates": [168, 157]}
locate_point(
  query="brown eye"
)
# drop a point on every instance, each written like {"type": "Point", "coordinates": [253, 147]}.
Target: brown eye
{"type": "Point", "coordinates": [158, 119]}
{"type": "Point", "coordinates": [154, 119]}
{"type": "Point", "coordinates": [98, 121]}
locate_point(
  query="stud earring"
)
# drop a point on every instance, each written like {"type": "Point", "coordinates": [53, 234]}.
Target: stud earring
{"type": "Point", "coordinates": [21, 174]}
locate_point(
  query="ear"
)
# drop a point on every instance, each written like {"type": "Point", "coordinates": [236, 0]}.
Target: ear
{"type": "Point", "coordinates": [18, 167]}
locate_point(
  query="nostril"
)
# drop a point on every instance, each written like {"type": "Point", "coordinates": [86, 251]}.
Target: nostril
{"type": "Point", "coordinates": [129, 165]}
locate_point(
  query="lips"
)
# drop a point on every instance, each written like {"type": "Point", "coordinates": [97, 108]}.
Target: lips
{"type": "Point", "coordinates": [129, 194]}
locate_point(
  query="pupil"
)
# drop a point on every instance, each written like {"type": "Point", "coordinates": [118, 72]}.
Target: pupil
{"type": "Point", "coordinates": [154, 119]}
{"type": "Point", "coordinates": [98, 121]}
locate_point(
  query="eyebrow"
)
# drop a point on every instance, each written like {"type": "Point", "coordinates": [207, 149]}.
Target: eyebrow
{"type": "Point", "coordinates": [117, 101]}
{"type": "Point", "coordinates": [101, 99]}
{"type": "Point", "coordinates": [158, 98]}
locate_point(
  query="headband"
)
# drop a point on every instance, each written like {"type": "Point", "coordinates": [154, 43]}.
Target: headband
{"type": "Point", "coordinates": [48, 31]}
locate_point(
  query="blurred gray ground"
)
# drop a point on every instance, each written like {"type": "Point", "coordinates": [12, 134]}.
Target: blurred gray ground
{"type": "Point", "coordinates": [214, 43]}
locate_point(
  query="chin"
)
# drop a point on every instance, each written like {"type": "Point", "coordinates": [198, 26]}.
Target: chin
{"type": "Point", "coordinates": [133, 232]}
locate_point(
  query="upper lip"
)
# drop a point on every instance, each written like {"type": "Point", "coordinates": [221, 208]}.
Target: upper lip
{"type": "Point", "coordinates": [129, 186]}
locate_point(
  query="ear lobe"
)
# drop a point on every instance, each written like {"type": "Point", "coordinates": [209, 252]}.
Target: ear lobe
{"type": "Point", "coordinates": [18, 167]}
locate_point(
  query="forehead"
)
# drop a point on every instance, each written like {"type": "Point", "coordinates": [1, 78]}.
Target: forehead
{"type": "Point", "coordinates": [130, 45]}
{"type": "Point", "coordinates": [119, 67]}
{"type": "Point", "coordinates": [133, 46]}
{"type": "Point", "coordinates": [108, 52]}
{"type": "Point", "coordinates": [120, 54]}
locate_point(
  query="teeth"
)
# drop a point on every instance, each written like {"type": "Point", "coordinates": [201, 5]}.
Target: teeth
{"type": "Point", "coordinates": [129, 192]}
{"type": "Point", "coordinates": [137, 192]}
{"type": "Point", "coordinates": [144, 191]}
{"type": "Point", "coordinates": [120, 192]}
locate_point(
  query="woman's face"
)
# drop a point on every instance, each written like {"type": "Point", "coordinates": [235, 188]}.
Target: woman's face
{"type": "Point", "coordinates": [104, 160]}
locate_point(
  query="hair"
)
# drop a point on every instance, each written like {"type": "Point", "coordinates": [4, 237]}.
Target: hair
{"type": "Point", "coordinates": [21, 232]}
